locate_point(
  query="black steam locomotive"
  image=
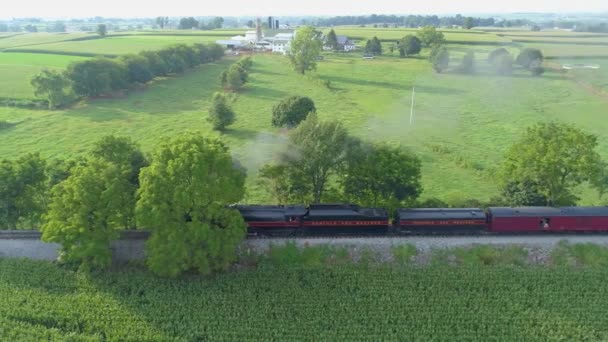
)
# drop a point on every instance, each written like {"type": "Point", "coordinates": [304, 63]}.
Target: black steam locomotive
{"type": "Point", "coordinates": [349, 219]}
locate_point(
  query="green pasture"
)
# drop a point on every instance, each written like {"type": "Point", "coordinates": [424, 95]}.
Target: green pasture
{"type": "Point", "coordinates": [215, 33]}
{"type": "Point", "coordinates": [596, 77]}
{"type": "Point", "coordinates": [119, 45]}
{"type": "Point", "coordinates": [462, 124]}
{"type": "Point", "coordinates": [45, 302]}
{"type": "Point", "coordinates": [35, 39]}
{"type": "Point", "coordinates": [17, 70]}
{"type": "Point", "coordinates": [398, 33]}
{"type": "Point", "coordinates": [549, 33]}
{"type": "Point", "coordinates": [569, 40]}
{"type": "Point", "coordinates": [570, 50]}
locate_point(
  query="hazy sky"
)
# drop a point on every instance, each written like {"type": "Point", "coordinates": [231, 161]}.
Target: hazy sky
{"type": "Point", "coordinates": [148, 8]}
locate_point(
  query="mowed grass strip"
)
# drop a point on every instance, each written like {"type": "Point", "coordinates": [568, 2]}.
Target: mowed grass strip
{"type": "Point", "coordinates": [42, 301]}
{"type": "Point", "coordinates": [17, 70]}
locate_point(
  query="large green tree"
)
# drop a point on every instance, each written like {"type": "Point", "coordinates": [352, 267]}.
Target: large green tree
{"type": "Point", "coordinates": [304, 50]}
{"type": "Point", "coordinates": [86, 212]}
{"type": "Point", "coordinates": [429, 36]}
{"type": "Point", "coordinates": [331, 40]}
{"type": "Point", "coordinates": [53, 86]}
{"type": "Point", "coordinates": [188, 23]}
{"type": "Point", "coordinates": [22, 191]}
{"type": "Point", "coordinates": [275, 178]}
{"type": "Point", "coordinates": [316, 152]}
{"type": "Point", "coordinates": [292, 110]}
{"type": "Point", "coordinates": [469, 22]}
{"type": "Point", "coordinates": [556, 157]}
{"type": "Point", "coordinates": [381, 176]}
{"type": "Point", "coordinates": [102, 30]}
{"type": "Point", "coordinates": [409, 45]}
{"type": "Point", "coordinates": [376, 46]}
{"type": "Point", "coordinates": [126, 154]}
{"type": "Point", "coordinates": [183, 198]}
{"type": "Point", "coordinates": [525, 192]}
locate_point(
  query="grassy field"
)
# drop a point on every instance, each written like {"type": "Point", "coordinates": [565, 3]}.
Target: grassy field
{"type": "Point", "coordinates": [596, 77]}
{"type": "Point", "coordinates": [462, 125]}
{"type": "Point", "coordinates": [120, 45]}
{"type": "Point", "coordinates": [549, 33]}
{"type": "Point", "coordinates": [600, 40]}
{"type": "Point", "coordinates": [41, 301]}
{"type": "Point", "coordinates": [461, 129]}
{"type": "Point", "coordinates": [398, 33]}
{"type": "Point", "coordinates": [33, 39]}
{"type": "Point", "coordinates": [18, 68]}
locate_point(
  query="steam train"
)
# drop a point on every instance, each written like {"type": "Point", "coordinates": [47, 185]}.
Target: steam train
{"type": "Point", "coordinates": [349, 219]}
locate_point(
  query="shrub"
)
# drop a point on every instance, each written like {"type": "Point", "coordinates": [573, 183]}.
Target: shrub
{"type": "Point", "coordinates": [234, 78]}
{"type": "Point", "coordinates": [409, 45]}
{"type": "Point", "coordinates": [583, 254]}
{"type": "Point", "coordinates": [468, 63]}
{"type": "Point", "coordinates": [529, 57]}
{"type": "Point", "coordinates": [503, 64]}
{"type": "Point", "coordinates": [291, 111]}
{"type": "Point", "coordinates": [403, 254]}
{"type": "Point", "coordinates": [246, 63]}
{"type": "Point", "coordinates": [138, 68]}
{"type": "Point", "coordinates": [220, 114]}
{"type": "Point", "coordinates": [490, 255]}
{"type": "Point", "coordinates": [97, 76]}
{"type": "Point", "coordinates": [5, 124]}
{"type": "Point", "coordinates": [54, 87]}
{"type": "Point", "coordinates": [439, 58]}
{"type": "Point", "coordinates": [173, 60]}
{"type": "Point", "coordinates": [492, 56]}
{"type": "Point", "coordinates": [157, 65]}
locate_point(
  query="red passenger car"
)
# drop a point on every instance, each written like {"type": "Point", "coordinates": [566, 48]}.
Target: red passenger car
{"type": "Point", "coordinates": [548, 219]}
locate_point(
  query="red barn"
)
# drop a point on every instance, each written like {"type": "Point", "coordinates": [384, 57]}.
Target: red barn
{"type": "Point", "coordinates": [548, 219]}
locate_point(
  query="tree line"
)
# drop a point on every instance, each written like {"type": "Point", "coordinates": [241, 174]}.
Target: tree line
{"type": "Point", "coordinates": [221, 114]}
{"type": "Point", "coordinates": [181, 192]}
{"type": "Point", "coordinates": [407, 21]}
{"type": "Point", "coordinates": [104, 76]}
{"type": "Point", "coordinates": [190, 23]}
{"type": "Point", "coordinates": [184, 186]}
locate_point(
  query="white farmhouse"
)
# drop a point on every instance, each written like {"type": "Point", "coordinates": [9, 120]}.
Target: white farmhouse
{"type": "Point", "coordinates": [281, 46]}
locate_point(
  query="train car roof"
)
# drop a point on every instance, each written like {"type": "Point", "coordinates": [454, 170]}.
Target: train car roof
{"type": "Point", "coordinates": [547, 211]}
{"type": "Point", "coordinates": [287, 210]}
{"type": "Point", "coordinates": [344, 209]}
{"type": "Point", "coordinates": [439, 213]}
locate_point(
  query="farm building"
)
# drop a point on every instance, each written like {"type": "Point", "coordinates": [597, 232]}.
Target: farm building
{"type": "Point", "coordinates": [281, 46]}
{"type": "Point", "coordinates": [344, 44]}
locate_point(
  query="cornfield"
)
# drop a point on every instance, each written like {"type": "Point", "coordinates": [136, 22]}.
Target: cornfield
{"type": "Point", "coordinates": [41, 301]}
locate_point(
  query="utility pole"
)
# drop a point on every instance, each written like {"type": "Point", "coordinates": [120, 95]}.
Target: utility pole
{"type": "Point", "coordinates": [412, 107]}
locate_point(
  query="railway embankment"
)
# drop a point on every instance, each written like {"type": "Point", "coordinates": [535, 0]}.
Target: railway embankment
{"type": "Point", "coordinates": [27, 244]}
